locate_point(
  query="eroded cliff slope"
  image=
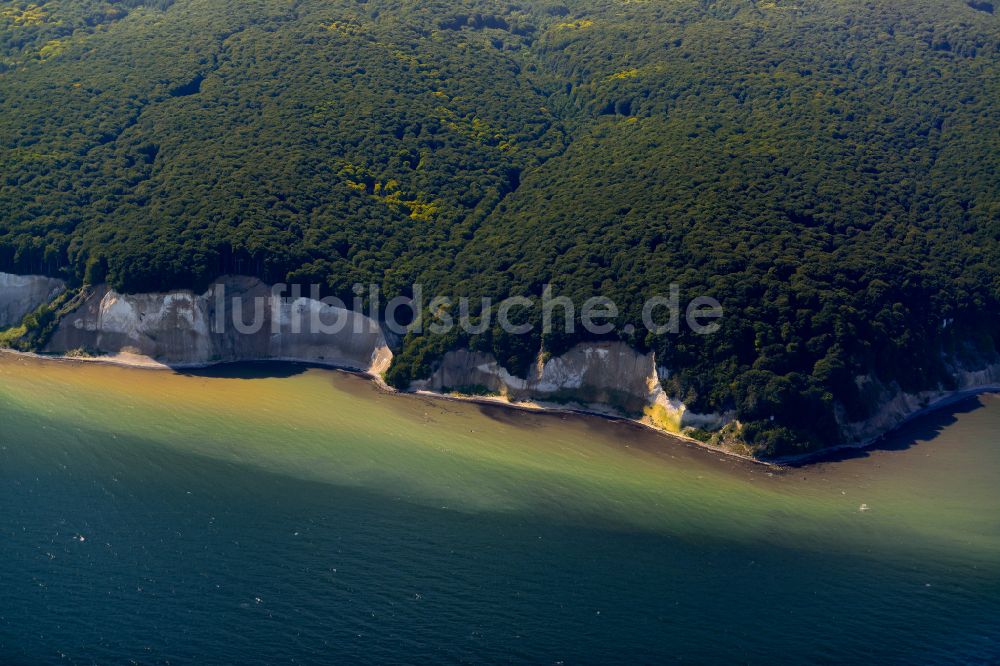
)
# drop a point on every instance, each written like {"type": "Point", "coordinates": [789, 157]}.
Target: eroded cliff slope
{"type": "Point", "coordinates": [241, 318]}
{"type": "Point", "coordinates": [236, 319]}
{"type": "Point", "coordinates": [608, 377]}
{"type": "Point", "coordinates": [23, 294]}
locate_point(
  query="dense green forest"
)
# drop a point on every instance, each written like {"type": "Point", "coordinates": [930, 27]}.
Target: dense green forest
{"type": "Point", "coordinates": [829, 171]}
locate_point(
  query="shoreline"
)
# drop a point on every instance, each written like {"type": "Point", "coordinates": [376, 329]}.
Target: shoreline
{"type": "Point", "coordinates": [140, 362]}
{"type": "Point", "coordinates": [817, 457]}
{"type": "Point", "coordinates": [137, 361]}
{"type": "Point", "coordinates": [548, 408]}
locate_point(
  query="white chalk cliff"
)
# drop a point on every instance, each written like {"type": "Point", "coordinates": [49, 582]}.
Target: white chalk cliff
{"type": "Point", "coordinates": [181, 328]}
{"type": "Point", "coordinates": [608, 377]}
{"type": "Point", "coordinates": [891, 406]}
{"type": "Point", "coordinates": [236, 319]}
{"type": "Point", "coordinates": [23, 294]}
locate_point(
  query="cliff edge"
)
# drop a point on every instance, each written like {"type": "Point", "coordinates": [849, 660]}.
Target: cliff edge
{"type": "Point", "coordinates": [21, 295]}
{"type": "Point", "coordinates": [236, 319]}
{"type": "Point", "coordinates": [241, 319]}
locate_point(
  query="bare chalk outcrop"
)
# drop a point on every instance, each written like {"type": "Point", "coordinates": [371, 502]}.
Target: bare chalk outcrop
{"type": "Point", "coordinates": [23, 294]}
{"type": "Point", "coordinates": [605, 377]}
{"type": "Point", "coordinates": [891, 406]}
{"type": "Point", "coordinates": [241, 319]}
{"type": "Point", "coordinates": [613, 378]}
{"type": "Point", "coordinates": [236, 319]}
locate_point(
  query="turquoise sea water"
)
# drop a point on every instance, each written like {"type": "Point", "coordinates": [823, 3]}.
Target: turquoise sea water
{"type": "Point", "coordinates": [264, 516]}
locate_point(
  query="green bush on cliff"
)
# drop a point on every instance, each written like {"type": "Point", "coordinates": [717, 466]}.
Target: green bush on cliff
{"type": "Point", "coordinates": [37, 327]}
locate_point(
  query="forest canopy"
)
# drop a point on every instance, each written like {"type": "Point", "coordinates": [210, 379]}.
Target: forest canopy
{"type": "Point", "coordinates": [829, 171]}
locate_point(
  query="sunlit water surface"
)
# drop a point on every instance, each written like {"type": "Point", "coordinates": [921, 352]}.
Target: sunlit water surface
{"type": "Point", "coordinates": [274, 513]}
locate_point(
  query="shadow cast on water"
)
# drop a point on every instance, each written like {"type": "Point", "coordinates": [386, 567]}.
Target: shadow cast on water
{"type": "Point", "coordinates": [512, 415]}
{"type": "Point", "coordinates": [527, 417]}
{"type": "Point", "coordinates": [920, 430]}
{"type": "Point", "coordinates": [249, 370]}
{"type": "Point", "coordinates": [923, 428]}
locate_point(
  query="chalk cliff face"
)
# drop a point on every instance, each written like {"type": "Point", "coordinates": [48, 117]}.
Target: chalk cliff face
{"type": "Point", "coordinates": [891, 406]}
{"type": "Point", "coordinates": [237, 319]}
{"type": "Point", "coordinates": [607, 377]}
{"type": "Point", "coordinates": [23, 294]}
{"type": "Point", "coordinates": [614, 378]}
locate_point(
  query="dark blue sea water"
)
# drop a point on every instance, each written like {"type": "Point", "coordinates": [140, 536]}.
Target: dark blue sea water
{"type": "Point", "coordinates": [132, 552]}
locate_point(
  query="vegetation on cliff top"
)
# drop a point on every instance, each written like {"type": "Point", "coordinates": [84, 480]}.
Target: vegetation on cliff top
{"type": "Point", "coordinates": [830, 171]}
